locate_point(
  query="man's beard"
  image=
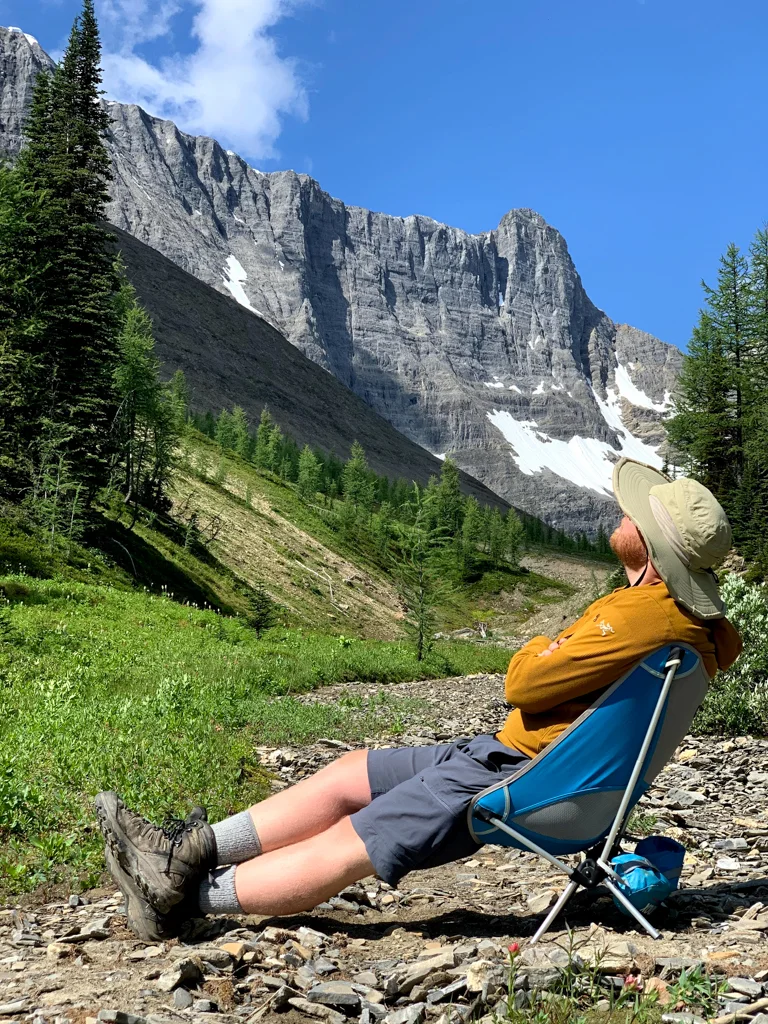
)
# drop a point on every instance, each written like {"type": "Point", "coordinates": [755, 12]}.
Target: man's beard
{"type": "Point", "coordinates": [629, 549]}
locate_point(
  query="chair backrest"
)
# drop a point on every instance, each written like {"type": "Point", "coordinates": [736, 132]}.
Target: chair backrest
{"type": "Point", "coordinates": [565, 800]}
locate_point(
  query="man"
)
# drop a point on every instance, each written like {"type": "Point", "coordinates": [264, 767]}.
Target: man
{"type": "Point", "coordinates": [392, 811]}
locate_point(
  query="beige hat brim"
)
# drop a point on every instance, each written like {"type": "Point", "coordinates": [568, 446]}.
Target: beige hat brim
{"type": "Point", "coordinates": [696, 591]}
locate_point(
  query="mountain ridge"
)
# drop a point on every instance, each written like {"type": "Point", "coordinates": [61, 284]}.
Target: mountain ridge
{"type": "Point", "coordinates": [485, 346]}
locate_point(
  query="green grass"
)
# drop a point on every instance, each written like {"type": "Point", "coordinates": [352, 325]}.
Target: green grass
{"type": "Point", "coordinates": [108, 688]}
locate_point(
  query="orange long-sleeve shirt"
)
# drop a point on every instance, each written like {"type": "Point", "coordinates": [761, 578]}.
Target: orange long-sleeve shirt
{"type": "Point", "coordinates": [551, 691]}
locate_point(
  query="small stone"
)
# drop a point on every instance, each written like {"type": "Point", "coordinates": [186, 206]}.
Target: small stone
{"type": "Point", "coordinates": [74, 900]}
{"type": "Point", "coordinates": [758, 778]}
{"type": "Point", "coordinates": [675, 964]}
{"type": "Point", "coordinates": [57, 950]}
{"type": "Point", "coordinates": [372, 1013]}
{"type": "Point", "coordinates": [728, 864]}
{"type": "Point", "coordinates": [730, 844]}
{"type": "Point", "coordinates": [407, 1015]}
{"type": "Point", "coordinates": [119, 1017]}
{"type": "Point", "coordinates": [305, 977]}
{"type": "Point", "coordinates": [682, 1018]}
{"type": "Point", "coordinates": [205, 1006]}
{"type": "Point", "coordinates": [680, 799]}
{"type": "Point", "coordinates": [182, 972]}
{"type": "Point", "coordinates": [339, 903]}
{"type": "Point", "coordinates": [746, 987]}
{"type": "Point", "coordinates": [16, 1006]}
{"type": "Point", "coordinates": [323, 965]}
{"type": "Point", "coordinates": [317, 1010]}
{"type": "Point", "coordinates": [235, 949]}
{"type": "Point", "coordinates": [335, 993]}
{"type": "Point", "coordinates": [367, 978]}
{"type": "Point", "coordinates": [415, 973]}
{"type": "Point", "coordinates": [182, 999]}
{"type": "Point", "coordinates": [482, 974]}
{"type": "Point", "coordinates": [542, 901]}
{"type": "Point", "coordinates": [282, 996]}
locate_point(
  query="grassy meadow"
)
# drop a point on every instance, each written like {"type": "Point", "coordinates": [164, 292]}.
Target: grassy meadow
{"type": "Point", "coordinates": [103, 687]}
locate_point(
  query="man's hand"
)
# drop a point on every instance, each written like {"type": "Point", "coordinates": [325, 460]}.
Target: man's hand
{"type": "Point", "coordinates": [553, 647]}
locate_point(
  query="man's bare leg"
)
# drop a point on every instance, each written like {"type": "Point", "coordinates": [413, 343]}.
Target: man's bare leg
{"type": "Point", "coordinates": [299, 876]}
{"type": "Point", "coordinates": [313, 805]}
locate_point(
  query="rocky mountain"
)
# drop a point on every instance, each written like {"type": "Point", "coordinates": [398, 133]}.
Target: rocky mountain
{"type": "Point", "coordinates": [229, 355]}
{"type": "Point", "coordinates": [483, 346]}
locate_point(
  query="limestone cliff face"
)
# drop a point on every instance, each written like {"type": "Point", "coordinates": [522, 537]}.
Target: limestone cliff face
{"type": "Point", "coordinates": [483, 346]}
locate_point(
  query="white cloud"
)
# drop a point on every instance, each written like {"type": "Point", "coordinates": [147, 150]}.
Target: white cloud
{"type": "Point", "coordinates": [234, 86]}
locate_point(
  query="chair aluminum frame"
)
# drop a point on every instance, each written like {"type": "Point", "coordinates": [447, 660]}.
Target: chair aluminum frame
{"type": "Point", "coordinates": [598, 870]}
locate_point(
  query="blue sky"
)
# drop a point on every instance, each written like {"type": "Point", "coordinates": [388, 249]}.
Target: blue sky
{"type": "Point", "coordinates": [636, 127]}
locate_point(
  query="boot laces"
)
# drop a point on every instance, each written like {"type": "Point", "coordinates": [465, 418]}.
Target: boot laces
{"type": "Point", "coordinates": [173, 829]}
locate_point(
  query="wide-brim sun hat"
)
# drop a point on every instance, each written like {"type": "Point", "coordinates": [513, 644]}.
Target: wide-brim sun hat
{"type": "Point", "coordinates": [685, 529]}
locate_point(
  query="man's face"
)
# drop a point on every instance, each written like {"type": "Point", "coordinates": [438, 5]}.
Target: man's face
{"type": "Point", "coordinates": [628, 545]}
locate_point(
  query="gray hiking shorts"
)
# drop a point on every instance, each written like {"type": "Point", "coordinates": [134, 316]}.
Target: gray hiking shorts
{"type": "Point", "coordinates": [418, 815]}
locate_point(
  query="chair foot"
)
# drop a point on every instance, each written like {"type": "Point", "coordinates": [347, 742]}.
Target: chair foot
{"type": "Point", "coordinates": [566, 894]}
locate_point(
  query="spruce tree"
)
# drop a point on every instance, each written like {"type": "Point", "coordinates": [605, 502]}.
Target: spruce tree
{"type": "Point", "coordinates": [65, 160]}
{"type": "Point", "coordinates": [703, 430]}
{"type": "Point", "coordinates": [23, 323]}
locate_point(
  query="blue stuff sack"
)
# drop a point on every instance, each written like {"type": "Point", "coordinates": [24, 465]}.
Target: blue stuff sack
{"type": "Point", "coordinates": [649, 874]}
{"type": "Point", "coordinates": [665, 854]}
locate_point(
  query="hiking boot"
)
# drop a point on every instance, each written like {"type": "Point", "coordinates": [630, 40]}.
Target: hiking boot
{"type": "Point", "coordinates": [143, 920]}
{"type": "Point", "coordinates": [165, 862]}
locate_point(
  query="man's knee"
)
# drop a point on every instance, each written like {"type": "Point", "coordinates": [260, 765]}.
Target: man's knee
{"type": "Point", "coordinates": [348, 776]}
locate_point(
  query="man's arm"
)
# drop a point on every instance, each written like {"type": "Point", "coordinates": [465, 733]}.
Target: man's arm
{"type": "Point", "coordinates": [587, 660]}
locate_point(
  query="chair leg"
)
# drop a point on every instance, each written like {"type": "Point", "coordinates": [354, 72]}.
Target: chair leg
{"type": "Point", "coordinates": [614, 889]}
{"type": "Point", "coordinates": [569, 890]}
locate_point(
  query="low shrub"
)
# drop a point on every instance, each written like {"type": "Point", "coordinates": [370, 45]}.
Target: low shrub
{"type": "Point", "coordinates": [737, 702]}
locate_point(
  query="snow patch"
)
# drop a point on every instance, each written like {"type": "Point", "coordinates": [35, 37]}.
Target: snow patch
{"type": "Point", "coordinates": [234, 278]}
{"type": "Point", "coordinates": [539, 390]}
{"type": "Point", "coordinates": [633, 394]}
{"type": "Point", "coordinates": [557, 387]}
{"type": "Point", "coordinates": [495, 383]}
{"type": "Point", "coordinates": [514, 387]}
{"type": "Point", "coordinates": [583, 461]}
{"type": "Point", "coordinates": [501, 299]}
{"type": "Point", "coordinates": [631, 446]}
{"type": "Point", "coordinates": [441, 457]}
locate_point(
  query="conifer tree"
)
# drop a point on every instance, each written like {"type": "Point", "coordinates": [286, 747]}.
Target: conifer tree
{"type": "Point", "coordinates": [702, 432]}
{"type": "Point", "coordinates": [358, 487]}
{"type": "Point", "coordinates": [275, 449]}
{"type": "Point", "coordinates": [225, 430]}
{"type": "Point", "coordinates": [471, 531]}
{"type": "Point", "coordinates": [515, 534]}
{"type": "Point", "coordinates": [308, 481]}
{"type": "Point", "coordinates": [23, 381]}
{"type": "Point", "coordinates": [449, 501]}
{"type": "Point", "coordinates": [263, 434]}
{"type": "Point", "coordinates": [65, 161]}
{"type": "Point", "coordinates": [241, 435]}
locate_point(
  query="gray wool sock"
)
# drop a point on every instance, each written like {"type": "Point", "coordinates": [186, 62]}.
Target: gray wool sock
{"type": "Point", "coordinates": [217, 893]}
{"type": "Point", "coordinates": [236, 839]}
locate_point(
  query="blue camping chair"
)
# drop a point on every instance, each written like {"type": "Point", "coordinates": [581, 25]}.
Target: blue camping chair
{"type": "Point", "coordinates": [576, 796]}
